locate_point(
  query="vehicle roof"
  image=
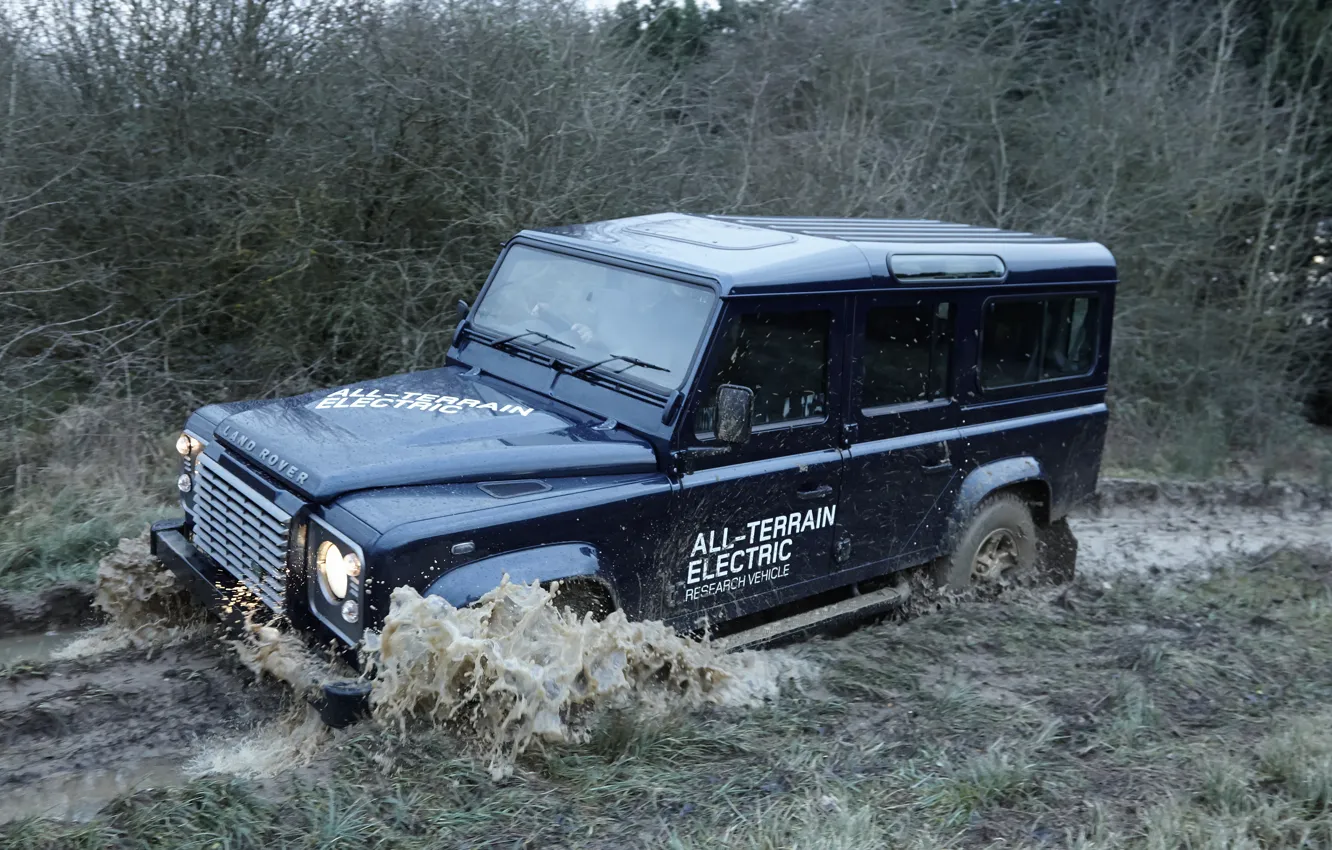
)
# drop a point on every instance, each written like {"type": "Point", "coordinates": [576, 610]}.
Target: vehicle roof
{"type": "Point", "coordinates": [752, 255]}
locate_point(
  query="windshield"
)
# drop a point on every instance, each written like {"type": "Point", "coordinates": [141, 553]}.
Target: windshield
{"type": "Point", "coordinates": [645, 327]}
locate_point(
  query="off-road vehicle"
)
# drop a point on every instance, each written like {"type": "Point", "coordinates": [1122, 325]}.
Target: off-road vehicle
{"type": "Point", "coordinates": [698, 419]}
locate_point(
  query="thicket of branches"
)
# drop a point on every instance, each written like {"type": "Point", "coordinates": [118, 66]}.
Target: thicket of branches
{"type": "Point", "coordinates": [205, 199]}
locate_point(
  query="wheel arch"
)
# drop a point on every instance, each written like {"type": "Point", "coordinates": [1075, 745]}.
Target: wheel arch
{"type": "Point", "coordinates": [554, 562]}
{"type": "Point", "coordinates": [1020, 475]}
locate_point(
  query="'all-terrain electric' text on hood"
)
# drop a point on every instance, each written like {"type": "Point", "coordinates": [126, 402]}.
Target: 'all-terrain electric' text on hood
{"type": "Point", "coordinates": [433, 427]}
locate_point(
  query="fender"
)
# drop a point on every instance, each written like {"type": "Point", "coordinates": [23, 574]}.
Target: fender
{"type": "Point", "coordinates": [470, 582]}
{"type": "Point", "coordinates": [984, 480]}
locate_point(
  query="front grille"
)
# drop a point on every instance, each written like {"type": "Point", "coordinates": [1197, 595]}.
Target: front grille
{"type": "Point", "coordinates": [241, 530]}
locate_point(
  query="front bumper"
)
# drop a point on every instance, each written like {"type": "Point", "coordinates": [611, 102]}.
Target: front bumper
{"type": "Point", "coordinates": [208, 584]}
{"type": "Point", "coordinates": [339, 703]}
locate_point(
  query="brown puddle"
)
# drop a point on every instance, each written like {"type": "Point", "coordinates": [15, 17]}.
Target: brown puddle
{"type": "Point", "coordinates": [89, 716]}
{"type": "Point", "coordinates": [78, 795]}
{"type": "Point", "coordinates": [34, 649]}
{"type": "Point", "coordinates": [151, 700]}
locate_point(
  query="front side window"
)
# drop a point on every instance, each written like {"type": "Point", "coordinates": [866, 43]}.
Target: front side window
{"type": "Point", "coordinates": [587, 312]}
{"type": "Point", "coordinates": [907, 353]}
{"type": "Point", "coordinates": [1038, 340]}
{"type": "Point", "coordinates": [783, 358]}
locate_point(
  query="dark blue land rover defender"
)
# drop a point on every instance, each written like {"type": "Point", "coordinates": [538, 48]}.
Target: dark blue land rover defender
{"type": "Point", "coordinates": [698, 419]}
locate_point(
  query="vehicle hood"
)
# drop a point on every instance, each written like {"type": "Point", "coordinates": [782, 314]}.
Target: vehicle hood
{"type": "Point", "coordinates": [434, 427]}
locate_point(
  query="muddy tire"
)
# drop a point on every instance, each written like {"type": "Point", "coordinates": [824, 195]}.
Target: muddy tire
{"type": "Point", "coordinates": [581, 598]}
{"type": "Point", "coordinates": [997, 546]}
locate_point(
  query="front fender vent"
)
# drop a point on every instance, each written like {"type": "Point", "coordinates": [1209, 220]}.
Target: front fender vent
{"type": "Point", "coordinates": [512, 489]}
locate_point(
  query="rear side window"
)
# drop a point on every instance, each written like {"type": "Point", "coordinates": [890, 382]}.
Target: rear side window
{"type": "Point", "coordinates": [783, 358]}
{"type": "Point", "coordinates": [1038, 340]}
{"type": "Point", "coordinates": [907, 353]}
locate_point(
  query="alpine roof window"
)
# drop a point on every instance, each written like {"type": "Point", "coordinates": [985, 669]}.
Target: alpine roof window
{"type": "Point", "coordinates": [937, 267]}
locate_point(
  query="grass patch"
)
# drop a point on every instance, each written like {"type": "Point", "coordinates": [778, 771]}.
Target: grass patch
{"type": "Point", "coordinates": [1000, 776]}
{"type": "Point", "coordinates": [59, 537]}
{"type": "Point", "coordinates": [1143, 717]}
{"type": "Point", "coordinates": [1297, 762]}
{"type": "Point", "coordinates": [99, 478]}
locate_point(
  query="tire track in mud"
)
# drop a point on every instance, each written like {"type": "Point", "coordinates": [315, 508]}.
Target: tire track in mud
{"type": "Point", "coordinates": [75, 733]}
{"type": "Point", "coordinates": [1172, 531]}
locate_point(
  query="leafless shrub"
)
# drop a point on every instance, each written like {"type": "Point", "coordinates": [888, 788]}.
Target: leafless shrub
{"type": "Point", "coordinates": [207, 199]}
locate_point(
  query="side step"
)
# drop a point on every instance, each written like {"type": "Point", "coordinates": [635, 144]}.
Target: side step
{"type": "Point", "coordinates": [789, 628]}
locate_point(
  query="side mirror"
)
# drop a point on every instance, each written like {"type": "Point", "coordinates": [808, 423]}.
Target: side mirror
{"type": "Point", "coordinates": [463, 309]}
{"type": "Point", "coordinates": [735, 414]}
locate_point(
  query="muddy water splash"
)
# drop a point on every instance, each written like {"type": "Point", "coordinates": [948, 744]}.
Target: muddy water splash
{"type": "Point", "coordinates": [514, 670]}
{"type": "Point", "coordinates": [144, 604]}
{"type": "Point", "coordinates": [266, 649]}
{"type": "Point", "coordinates": [269, 749]}
{"type": "Point", "coordinates": [293, 740]}
{"type": "Point", "coordinates": [133, 587]}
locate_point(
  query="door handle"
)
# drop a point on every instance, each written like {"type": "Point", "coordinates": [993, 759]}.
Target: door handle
{"type": "Point", "coordinates": [815, 492]}
{"type": "Point", "coordinates": [942, 466]}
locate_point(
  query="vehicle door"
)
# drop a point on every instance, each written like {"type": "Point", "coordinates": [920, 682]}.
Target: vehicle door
{"type": "Point", "coordinates": [754, 523]}
{"type": "Point", "coordinates": [902, 467]}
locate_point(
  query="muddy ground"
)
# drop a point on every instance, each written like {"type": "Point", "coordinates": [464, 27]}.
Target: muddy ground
{"type": "Point", "coordinates": [75, 733]}
{"type": "Point", "coordinates": [1146, 701]}
{"type": "Point", "coordinates": [1149, 529]}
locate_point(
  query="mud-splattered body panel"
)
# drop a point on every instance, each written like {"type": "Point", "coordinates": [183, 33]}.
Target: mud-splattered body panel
{"type": "Point", "coordinates": [898, 374]}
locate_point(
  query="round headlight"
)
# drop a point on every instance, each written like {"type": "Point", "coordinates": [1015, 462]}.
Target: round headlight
{"type": "Point", "coordinates": [335, 569]}
{"type": "Point", "coordinates": [184, 445]}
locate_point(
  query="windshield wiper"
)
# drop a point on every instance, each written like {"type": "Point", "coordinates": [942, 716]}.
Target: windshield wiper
{"type": "Point", "coordinates": [547, 337]}
{"type": "Point", "coordinates": [632, 361]}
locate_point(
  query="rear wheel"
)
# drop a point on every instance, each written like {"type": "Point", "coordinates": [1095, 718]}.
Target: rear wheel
{"type": "Point", "coordinates": [998, 545]}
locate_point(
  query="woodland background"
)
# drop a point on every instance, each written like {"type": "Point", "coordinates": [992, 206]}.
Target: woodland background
{"type": "Point", "coordinates": [213, 199]}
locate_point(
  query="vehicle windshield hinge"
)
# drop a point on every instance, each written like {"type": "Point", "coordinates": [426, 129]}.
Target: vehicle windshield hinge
{"type": "Point", "coordinates": [686, 460]}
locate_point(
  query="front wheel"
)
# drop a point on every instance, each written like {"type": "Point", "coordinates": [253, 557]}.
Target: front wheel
{"type": "Point", "coordinates": [999, 544]}
{"type": "Point", "coordinates": [582, 599]}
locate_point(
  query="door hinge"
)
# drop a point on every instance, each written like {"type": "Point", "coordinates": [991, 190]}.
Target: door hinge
{"type": "Point", "coordinates": [850, 430]}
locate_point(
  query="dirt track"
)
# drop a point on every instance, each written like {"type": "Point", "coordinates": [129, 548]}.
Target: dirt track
{"type": "Point", "coordinates": [78, 732]}
{"type": "Point", "coordinates": [1159, 530]}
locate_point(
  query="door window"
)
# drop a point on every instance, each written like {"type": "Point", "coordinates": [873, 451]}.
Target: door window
{"type": "Point", "coordinates": [907, 353]}
{"type": "Point", "coordinates": [1038, 340]}
{"type": "Point", "coordinates": [783, 358]}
